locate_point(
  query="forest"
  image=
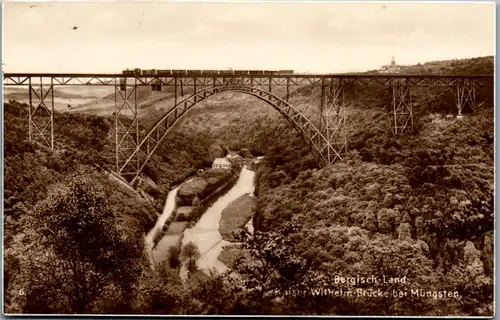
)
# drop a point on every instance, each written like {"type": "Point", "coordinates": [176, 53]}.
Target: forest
{"type": "Point", "coordinates": [419, 205]}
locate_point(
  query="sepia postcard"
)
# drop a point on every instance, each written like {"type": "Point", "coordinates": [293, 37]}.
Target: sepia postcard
{"type": "Point", "coordinates": [249, 158]}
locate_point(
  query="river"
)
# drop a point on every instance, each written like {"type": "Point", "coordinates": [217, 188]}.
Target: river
{"type": "Point", "coordinates": [167, 212]}
{"type": "Point", "coordinates": [205, 234]}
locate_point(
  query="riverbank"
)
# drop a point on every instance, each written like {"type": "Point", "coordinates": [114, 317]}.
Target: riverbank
{"type": "Point", "coordinates": [197, 211]}
{"type": "Point", "coordinates": [233, 219]}
{"type": "Point", "coordinates": [168, 233]}
{"type": "Point", "coordinates": [154, 234]}
{"type": "Point", "coordinates": [236, 216]}
{"type": "Point", "coordinates": [205, 234]}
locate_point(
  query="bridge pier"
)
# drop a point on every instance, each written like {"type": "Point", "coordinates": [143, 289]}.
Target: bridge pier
{"type": "Point", "coordinates": [400, 101]}
{"type": "Point", "coordinates": [179, 85]}
{"type": "Point", "coordinates": [287, 99]}
{"type": "Point", "coordinates": [175, 91]}
{"type": "Point", "coordinates": [126, 126]}
{"type": "Point", "coordinates": [41, 116]}
{"type": "Point", "coordinates": [332, 120]}
{"type": "Point", "coordinates": [466, 96]}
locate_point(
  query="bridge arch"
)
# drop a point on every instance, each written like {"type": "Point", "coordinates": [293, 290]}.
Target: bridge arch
{"type": "Point", "coordinates": [137, 160]}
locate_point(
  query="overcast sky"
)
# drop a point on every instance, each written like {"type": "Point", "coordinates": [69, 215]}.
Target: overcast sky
{"type": "Point", "coordinates": [315, 37]}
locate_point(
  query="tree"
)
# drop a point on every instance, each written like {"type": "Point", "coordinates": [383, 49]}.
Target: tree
{"type": "Point", "coordinates": [487, 255]}
{"type": "Point", "coordinates": [370, 222]}
{"type": "Point", "coordinates": [196, 201]}
{"type": "Point", "coordinates": [269, 265]}
{"type": "Point", "coordinates": [215, 294]}
{"type": "Point", "coordinates": [173, 257]}
{"type": "Point", "coordinates": [190, 253]}
{"type": "Point", "coordinates": [419, 225]}
{"type": "Point", "coordinates": [11, 267]}
{"type": "Point", "coordinates": [468, 278]}
{"type": "Point", "coordinates": [385, 220]}
{"type": "Point", "coordinates": [392, 258]}
{"type": "Point", "coordinates": [80, 260]}
{"type": "Point", "coordinates": [404, 231]}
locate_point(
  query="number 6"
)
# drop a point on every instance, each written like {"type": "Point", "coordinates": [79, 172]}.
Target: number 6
{"type": "Point", "coordinates": [21, 292]}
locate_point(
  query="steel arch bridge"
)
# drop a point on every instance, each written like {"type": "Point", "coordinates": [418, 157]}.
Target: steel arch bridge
{"type": "Point", "coordinates": [326, 149]}
{"type": "Point", "coordinates": [326, 137]}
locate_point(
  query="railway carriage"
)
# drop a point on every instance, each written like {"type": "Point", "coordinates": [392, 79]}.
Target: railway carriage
{"type": "Point", "coordinates": [226, 72]}
{"type": "Point", "coordinates": [194, 72]}
{"type": "Point", "coordinates": [255, 72]}
{"type": "Point", "coordinates": [151, 72]}
{"type": "Point", "coordinates": [210, 72]}
{"type": "Point", "coordinates": [241, 72]}
{"type": "Point", "coordinates": [269, 72]}
{"type": "Point", "coordinates": [163, 72]}
{"type": "Point", "coordinates": [179, 72]}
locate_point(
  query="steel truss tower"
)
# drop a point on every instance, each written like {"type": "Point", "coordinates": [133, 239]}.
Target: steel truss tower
{"type": "Point", "coordinates": [401, 107]}
{"type": "Point", "coordinates": [466, 96]}
{"type": "Point", "coordinates": [333, 120]}
{"type": "Point", "coordinates": [41, 116]}
{"type": "Point", "coordinates": [126, 124]}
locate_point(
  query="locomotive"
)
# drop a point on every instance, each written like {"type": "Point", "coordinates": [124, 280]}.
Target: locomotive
{"type": "Point", "coordinates": [155, 72]}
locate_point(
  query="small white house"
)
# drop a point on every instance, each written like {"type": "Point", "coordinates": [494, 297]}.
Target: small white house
{"type": "Point", "coordinates": [222, 163]}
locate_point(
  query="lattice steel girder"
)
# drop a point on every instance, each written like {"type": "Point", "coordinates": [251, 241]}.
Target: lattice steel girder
{"type": "Point", "coordinates": [401, 108]}
{"type": "Point", "coordinates": [152, 140]}
{"type": "Point", "coordinates": [16, 81]}
{"type": "Point", "coordinates": [466, 96]}
{"type": "Point", "coordinates": [60, 81]}
{"type": "Point", "coordinates": [41, 116]}
{"type": "Point", "coordinates": [103, 79]}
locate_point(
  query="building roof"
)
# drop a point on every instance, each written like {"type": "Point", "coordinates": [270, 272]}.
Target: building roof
{"type": "Point", "coordinates": [222, 161]}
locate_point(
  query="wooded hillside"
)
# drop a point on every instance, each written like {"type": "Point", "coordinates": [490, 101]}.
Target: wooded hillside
{"type": "Point", "coordinates": [418, 205]}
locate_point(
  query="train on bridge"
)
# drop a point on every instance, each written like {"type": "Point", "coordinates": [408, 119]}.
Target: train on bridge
{"type": "Point", "coordinates": [171, 72]}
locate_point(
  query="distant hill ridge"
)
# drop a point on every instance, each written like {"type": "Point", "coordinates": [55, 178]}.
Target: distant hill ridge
{"type": "Point", "coordinates": [479, 65]}
{"type": "Point", "coordinates": [23, 93]}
